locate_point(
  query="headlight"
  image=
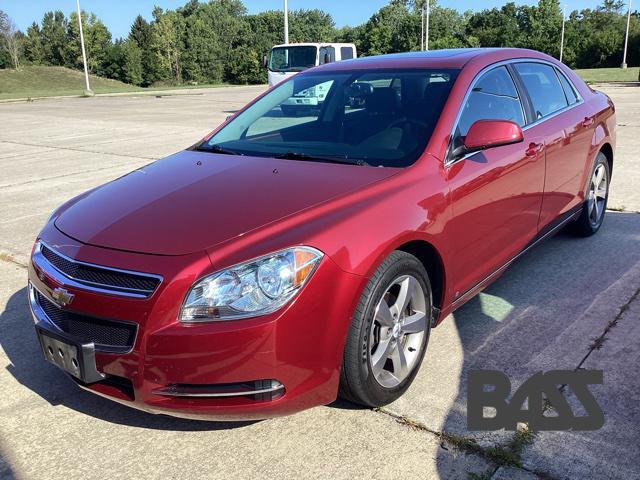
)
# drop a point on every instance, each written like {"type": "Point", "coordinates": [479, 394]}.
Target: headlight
{"type": "Point", "coordinates": [309, 92]}
{"type": "Point", "coordinates": [252, 288]}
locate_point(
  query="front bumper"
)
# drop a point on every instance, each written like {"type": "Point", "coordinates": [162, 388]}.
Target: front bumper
{"type": "Point", "coordinates": [255, 368]}
{"type": "Point", "coordinates": [301, 102]}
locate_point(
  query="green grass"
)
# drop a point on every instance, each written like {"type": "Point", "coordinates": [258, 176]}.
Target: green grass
{"type": "Point", "coordinates": [605, 75]}
{"type": "Point", "coordinates": [41, 81]}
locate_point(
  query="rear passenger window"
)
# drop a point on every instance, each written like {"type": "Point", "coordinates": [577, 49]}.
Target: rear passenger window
{"type": "Point", "coordinates": [543, 87]}
{"type": "Point", "coordinates": [569, 90]}
{"type": "Point", "coordinates": [494, 97]}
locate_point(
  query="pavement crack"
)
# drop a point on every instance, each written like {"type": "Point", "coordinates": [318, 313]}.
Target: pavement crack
{"type": "Point", "coordinates": [508, 455]}
{"type": "Point", "coordinates": [8, 258]}
{"type": "Point", "coordinates": [82, 150]}
{"type": "Point", "coordinates": [598, 342]}
{"type": "Point", "coordinates": [64, 175]}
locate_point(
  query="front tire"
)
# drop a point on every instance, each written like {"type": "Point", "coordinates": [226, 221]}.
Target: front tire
{"type": "Point", "coordinates": [595, 205]}
{"type": "Point", "coordinates": [389, 333]}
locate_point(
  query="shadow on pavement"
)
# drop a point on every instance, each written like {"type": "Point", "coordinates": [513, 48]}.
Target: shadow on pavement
{"type": "Point", "coordinates": [6, 473]}
{"type": "Point", "coordinates": [509, 325]}
{"type": "Point", "coordinates": [18, 339]}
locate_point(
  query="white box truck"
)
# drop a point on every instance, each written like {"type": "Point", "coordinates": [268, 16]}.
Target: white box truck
{"type": "Point", "coordinates": [286, 60]}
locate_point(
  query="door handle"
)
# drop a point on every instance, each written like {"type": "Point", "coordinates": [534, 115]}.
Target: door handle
{"type": "Point", "coordinates": [588, 121]}
{"type": "Point", "coordinates": [534, 149]}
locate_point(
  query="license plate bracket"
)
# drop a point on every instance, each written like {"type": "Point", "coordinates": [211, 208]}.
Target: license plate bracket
{"type": "Point", "coordinates": [76, 359]}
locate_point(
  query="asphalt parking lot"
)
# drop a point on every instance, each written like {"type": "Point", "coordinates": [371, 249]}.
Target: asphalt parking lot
{"type": "Point", "coordinates": [543, 314]}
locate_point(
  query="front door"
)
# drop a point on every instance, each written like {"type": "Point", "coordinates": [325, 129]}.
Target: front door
{"type": "Point", "coordinates": [496, 194]}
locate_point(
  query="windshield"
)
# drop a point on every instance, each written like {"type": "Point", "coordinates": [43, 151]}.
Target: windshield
{"type": "Point", "coordinates": [379, 118]}
{"type": "Point", "coordinates": [292, 59]}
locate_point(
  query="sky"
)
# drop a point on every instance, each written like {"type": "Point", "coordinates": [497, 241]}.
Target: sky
{"type": "Point", "coordinates": [119, 14]}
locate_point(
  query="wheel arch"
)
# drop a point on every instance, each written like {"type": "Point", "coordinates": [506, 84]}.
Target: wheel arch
{"type": "Point", "coordinates": [607, 150]}
{"type": "Point", "coordinates": [433, 264]}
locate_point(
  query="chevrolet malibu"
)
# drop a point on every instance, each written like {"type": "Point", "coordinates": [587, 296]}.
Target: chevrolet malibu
{"type": "Point", "coordinates": [285, 260]}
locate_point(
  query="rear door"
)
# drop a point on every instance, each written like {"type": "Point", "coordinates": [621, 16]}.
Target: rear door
{"type": "Point", "coordinates": [559, 116]}
{"type": "Point", "coordinates": [496, 193]}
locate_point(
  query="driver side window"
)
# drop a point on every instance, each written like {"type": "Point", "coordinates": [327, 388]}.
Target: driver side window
{"type": "Point", "coordinates": [494, 97]}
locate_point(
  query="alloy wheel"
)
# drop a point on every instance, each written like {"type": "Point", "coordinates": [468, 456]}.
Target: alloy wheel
{"type": "Point", "coordinates": [397, 332]}
{"type": "Point", "coordinates": [597, 194]}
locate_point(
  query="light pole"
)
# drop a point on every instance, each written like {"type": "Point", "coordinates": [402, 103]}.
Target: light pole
{"type": "Point", "coordinates": [426, 36]}
{"type": "Point", "coordinates": [562, 34]}
{"type": "Point", "coordinates": [626, 38]}
{"type": "Point", "coordinates": [422, 28]}
{"type": "Point", "coordinates": [84, 55]}
{"type": "Point", "coordinates": [286, 22]}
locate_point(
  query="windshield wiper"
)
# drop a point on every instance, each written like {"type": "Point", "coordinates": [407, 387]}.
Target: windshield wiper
{"type": "Point", "coordinates": [218, 149]}
{"type": "Point", "coordinates": [305, 157]}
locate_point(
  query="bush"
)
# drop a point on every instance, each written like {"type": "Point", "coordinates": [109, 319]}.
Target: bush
{"type": "Point", "coordinates": [245, 67]}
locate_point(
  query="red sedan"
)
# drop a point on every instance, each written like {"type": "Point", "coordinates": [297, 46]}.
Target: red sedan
{"type": "Point", "coordinates": [287, 259]}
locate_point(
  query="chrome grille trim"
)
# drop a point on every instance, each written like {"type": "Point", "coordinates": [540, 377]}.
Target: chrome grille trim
{"type": "Point", "coordinates": [40, 260]}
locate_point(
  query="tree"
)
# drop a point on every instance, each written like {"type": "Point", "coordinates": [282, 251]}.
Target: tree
{"type": "Point", "coordinates": [265, 30]}
{"type": "Point", "coordinates": [132, 71]}
{"type": "Point", "coordinates": [495, 27]}
{"type": "Point", "coordinates": [246, 68]}
{"type": "Point", "coordinates": [595, 38]}
{"type": "Point", "coordinates": [97, 42]}
{"type": "Point", "coordinates": [141, 33]}
{"type": "Point", "coordinates": [310, 26]}
{"type": "Point", "coordinates": [54, 35]}
{"type": "Point", "coordinates": [166, 41]}
{"type": "Point", "coordinates": [10, 39]}
{"type": "Point", "coordinates": [214, 41]}
{"type": "Point", "coordinates": [33, 51]}
{"type": "Point", "coordinates": [204, 53]}
{"type": "Point", "coordinates": [391, 29]}
{"type": "Point", "coordinates": [542, 24]}
{"type": "Point", "coordinates": [448, 29]}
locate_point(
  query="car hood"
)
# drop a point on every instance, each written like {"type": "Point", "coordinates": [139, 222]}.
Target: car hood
{"type": "Point", "coordinates": [192, 200]}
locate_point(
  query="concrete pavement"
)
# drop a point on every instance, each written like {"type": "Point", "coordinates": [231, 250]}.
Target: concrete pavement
{"type": "Point", "coordinates": [542, 314]}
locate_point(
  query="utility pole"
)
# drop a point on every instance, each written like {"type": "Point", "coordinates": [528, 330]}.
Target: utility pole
{"type": "Point", "coordinates": [426, 37]}
{"type": "Point", "coordinates": [562, 34]}
{"type": "Point", "coordinates": [286, 22]}
{"type": "Point", "coordinates": [84, 55]}
{"type": "Point", "coordinates": [626, 38]}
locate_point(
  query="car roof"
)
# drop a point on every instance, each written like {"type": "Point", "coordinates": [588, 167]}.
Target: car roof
{"type": "Point", "coordinates": [455, 58]}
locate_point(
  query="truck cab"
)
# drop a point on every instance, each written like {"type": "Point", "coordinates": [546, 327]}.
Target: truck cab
{"type": "Point", "coordinates": [288, 59]}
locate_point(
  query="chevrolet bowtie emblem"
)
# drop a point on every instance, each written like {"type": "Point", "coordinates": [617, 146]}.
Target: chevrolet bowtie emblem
{"type": "Point", "coordinates": [62, 296]}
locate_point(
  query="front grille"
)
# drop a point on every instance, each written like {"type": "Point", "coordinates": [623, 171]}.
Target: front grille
{"type": "Point", "coordinates": [108, 335]}
{"type": "Point", "coordinates": [105, 278]}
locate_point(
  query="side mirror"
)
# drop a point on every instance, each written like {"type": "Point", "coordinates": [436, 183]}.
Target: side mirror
{"type": "Point", "coordinates": [485, 134]}
{"type": "Point", "coordinates": [264, 61]}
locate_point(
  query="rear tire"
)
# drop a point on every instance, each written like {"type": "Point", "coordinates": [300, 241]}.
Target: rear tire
{"type": "Point", "coordinates": [595, 205]}
{"type": "Point", "coordinates": [389, 333]}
